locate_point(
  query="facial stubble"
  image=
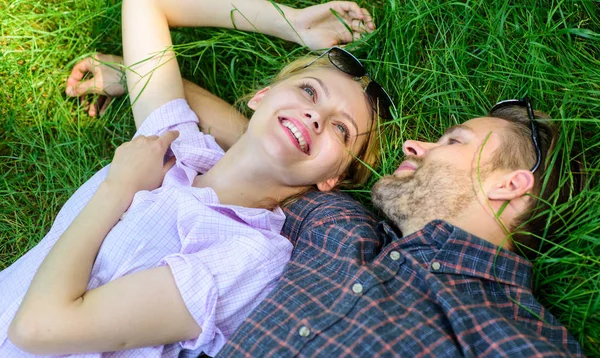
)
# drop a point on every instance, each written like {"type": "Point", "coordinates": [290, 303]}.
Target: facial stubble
{"type": "Point", "coordinates": [433, 191]}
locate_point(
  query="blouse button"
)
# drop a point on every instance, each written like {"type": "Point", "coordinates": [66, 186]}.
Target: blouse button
{"type": "Point", "coordinates": [395, 255]}
{"type": "Point", "coordinates": [435, 265]}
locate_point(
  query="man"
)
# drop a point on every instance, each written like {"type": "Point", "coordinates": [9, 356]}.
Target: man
{"type": "Point", "coordinates": [453, 285]}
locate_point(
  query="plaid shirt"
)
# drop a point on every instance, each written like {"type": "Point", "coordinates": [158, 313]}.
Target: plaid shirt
{"type": "Point", "coordinates": [355, 288]}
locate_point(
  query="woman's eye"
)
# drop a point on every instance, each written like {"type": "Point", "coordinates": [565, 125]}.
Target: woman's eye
{"type": "Point", "coordinates": [453, 141]}
{"type": "Point", "coordinates": [343, 131]}
{"type": "Point", "coordinates": [309, 89]}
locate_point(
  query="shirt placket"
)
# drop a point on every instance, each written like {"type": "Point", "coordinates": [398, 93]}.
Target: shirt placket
{"type": "Point", "coordinates": [383, 269]}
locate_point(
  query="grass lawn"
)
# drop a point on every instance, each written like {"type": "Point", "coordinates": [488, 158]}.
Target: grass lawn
{"type": "Point", "coordinates": [444, 62]}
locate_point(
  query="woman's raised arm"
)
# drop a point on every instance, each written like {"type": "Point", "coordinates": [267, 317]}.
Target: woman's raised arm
{"type": "Point", "coordinates": [153, 77]}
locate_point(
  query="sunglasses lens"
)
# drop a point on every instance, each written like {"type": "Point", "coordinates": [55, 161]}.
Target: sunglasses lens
{"type": "Point", "coordinates": [381, 99]}
{"type": "Point", "coordinates": [346, 62]}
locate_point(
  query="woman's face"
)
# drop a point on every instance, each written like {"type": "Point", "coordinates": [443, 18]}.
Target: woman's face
{"type": "Point", "coordinates": [311, 125]}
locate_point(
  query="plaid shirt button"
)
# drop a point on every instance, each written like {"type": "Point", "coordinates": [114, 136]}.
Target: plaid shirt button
{"type": "Point", "coordinates": [357, 288]}
{"type": "Point", "coordinates": [304, 331]}
{"type": "Point", "coordinates": [395, 255]}
{"type": "Point", "coordinates": [435, 266]}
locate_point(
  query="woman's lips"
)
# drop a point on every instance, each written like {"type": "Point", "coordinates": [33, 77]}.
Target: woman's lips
{"type": "Point", "coordinates": [297, 132]}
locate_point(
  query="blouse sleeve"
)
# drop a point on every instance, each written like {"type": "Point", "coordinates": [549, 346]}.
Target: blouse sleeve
{"type": "Point", "coordinates": [195, 151]}
{"type": "Point", "coordinates": [224, 281]}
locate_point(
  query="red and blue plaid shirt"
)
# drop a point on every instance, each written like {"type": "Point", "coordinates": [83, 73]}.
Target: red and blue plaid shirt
{"type": "Point", "coordinates": [355, 288]}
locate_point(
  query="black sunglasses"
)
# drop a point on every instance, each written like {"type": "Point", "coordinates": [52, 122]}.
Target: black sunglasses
{"type": "Point", "coordinates": [526, 103]}
{"type": "Point", "coordinates": [347, 63]}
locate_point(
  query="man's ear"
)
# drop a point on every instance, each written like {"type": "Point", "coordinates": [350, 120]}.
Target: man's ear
{"type": "Point", "coordinates": [255, 100]}
{"type": "Point", "coordinates": [329, 184]}
{"type": "Point", "coordinates": [512, 185]}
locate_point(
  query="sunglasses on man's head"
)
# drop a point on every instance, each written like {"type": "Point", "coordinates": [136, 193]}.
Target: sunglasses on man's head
{"type": "Point", "coordinates": [525, 103]}
{"type": "Point", "coordinates": [347, 63]}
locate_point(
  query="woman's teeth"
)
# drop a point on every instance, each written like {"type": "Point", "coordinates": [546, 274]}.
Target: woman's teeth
{"type": "Point", "coordinates": [296, 132]}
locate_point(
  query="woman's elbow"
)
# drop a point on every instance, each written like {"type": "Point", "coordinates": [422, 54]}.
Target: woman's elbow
{"type": "Point", "coordinates": [27, 335]}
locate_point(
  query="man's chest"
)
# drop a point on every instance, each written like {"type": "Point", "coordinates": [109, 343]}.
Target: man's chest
{"type": "Point", "coordinates": [392, 306]}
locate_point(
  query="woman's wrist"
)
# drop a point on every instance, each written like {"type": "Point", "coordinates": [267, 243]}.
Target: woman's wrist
{"type": "Point", "coordinates": [266, 17]}
{"type": "Point", "coordinates": [116, 193]}
{"type": "Point", "coordinates": [284, 23]}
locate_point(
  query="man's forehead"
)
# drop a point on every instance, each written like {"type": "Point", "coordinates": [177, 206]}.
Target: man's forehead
{"type": "Point", "coordinates": [480, 126]}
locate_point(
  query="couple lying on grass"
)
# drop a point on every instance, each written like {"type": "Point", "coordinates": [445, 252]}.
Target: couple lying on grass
{"type": "Point", "coordinates": [179, 248]}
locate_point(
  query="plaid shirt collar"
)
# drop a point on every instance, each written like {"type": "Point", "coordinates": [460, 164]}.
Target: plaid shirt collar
{"type": "Point", "coordinates": [458, 252]}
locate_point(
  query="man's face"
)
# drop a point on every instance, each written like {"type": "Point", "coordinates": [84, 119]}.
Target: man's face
{"type": "Point", "coordinates": [439, 180]}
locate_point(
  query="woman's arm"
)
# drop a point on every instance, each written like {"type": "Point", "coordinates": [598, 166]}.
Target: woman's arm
{"type": "Point", "coordinates": [153, 77]}
{"type": "Point", "coordinates": [58, 316]}
{"type": "Point", "coordinates": [217, 117]}
{"type": "Point", "coordinates": [315, 26]}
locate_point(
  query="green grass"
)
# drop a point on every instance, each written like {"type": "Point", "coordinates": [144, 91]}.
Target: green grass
{"type": "Point", "coordinates": [444, 62]}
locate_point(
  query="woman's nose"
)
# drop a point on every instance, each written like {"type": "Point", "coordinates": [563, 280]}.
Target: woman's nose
{"type": "Point", "coordinates": [415, 148]}
{"type": "Point", "coordinates": [314, 120]}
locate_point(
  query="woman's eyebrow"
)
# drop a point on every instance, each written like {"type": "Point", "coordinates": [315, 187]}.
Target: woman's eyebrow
{"type": "Point", "coordinates": [326, 91]}
{"type": "Point", "coordinates": [322, 84]}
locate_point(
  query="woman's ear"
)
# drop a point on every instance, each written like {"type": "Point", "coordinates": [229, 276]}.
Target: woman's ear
{"type": "Point", "coordinates": [513, 185]}
{"type": "Point", "coordinates": [255, 100]}
{"type": "Point", "coordinates": [328, 184]}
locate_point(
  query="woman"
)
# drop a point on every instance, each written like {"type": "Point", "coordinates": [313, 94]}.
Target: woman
{"type": "Point", "coordinates": [148, 253]}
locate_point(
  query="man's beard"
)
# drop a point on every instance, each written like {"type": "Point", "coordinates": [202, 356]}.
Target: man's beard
{"type": "Point", "coordinates": [433, 191]}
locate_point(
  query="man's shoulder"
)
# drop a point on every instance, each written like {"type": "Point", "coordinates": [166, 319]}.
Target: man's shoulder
{"type": "Point", "coordinates": [316, 209]}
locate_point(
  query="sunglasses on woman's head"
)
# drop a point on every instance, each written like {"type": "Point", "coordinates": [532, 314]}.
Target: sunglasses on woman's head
{"type": "Point", "coordinates": [525, 103]}
{"type": "Point", "coordinates": [347, 63]}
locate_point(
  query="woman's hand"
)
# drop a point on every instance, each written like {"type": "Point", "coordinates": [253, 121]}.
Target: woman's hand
{"type": "Point", "coordinates": [319, 28]}
{"type": "Point", "coordinates": [97, 80]}
{"type": "Point", "coordinates": [139, 164]}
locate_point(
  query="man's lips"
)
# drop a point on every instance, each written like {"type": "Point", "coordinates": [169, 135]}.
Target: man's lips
{"type": "Point", "coordinates": [297, 132]}
{"type": "Point", "coordinates": [406, 165]}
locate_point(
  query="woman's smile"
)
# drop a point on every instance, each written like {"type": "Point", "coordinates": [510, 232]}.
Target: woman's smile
{"type": "Point", "coordinates": [298, 133]}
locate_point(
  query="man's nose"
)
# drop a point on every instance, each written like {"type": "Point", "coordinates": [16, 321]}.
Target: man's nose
{"type": "Point", "coordinates": [416, 148]}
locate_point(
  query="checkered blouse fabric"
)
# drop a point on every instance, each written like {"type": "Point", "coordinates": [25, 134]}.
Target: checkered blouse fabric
{"type": "Point", "coordinates": [224, 259]}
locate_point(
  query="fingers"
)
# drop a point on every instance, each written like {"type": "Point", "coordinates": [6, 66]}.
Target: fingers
{"type": "Point", "coordinates": [104, 106]}
{"type": "Point", "coordinates": [77, 73]}
{"type": "Point", "coordinates": [169, 164]}
{"type": "Point", "coordinates": [95, 106]}
{"type": "Point", "coordinates": [368, 20]}
{"type": "Point", "coordinates": [168, 137]}
{"type": "Point", "coordinates": [364, 24]}
{"type": "Point", "coordinates": [350, 8]}
{"type": "Point", "coordinates": [358, 19]}
{"type": "Point", "coordinates": [90, 86]}
{"type": "Point", "coordinates": [74, 86]}
{"type": "Point", "coordinates": [353, 11]}
{"type": "Point", "coordinates": [163, 142]}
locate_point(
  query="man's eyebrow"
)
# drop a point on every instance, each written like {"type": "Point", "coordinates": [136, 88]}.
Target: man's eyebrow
{"type": "Point", "coordinates": [457, 128]}
{"type": "Point", "coordinates": [327, 94]}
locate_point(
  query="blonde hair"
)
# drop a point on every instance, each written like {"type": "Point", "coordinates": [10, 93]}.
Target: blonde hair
{"type": "Point", "coordinates": [367, 160]}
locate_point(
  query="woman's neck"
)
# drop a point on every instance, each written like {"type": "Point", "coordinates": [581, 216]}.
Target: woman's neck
{"type": "Point", "coordinates": [240, 179]}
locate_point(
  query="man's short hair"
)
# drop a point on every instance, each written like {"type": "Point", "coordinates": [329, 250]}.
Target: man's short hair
{"type": "Point", "coordinates": [517, 151]}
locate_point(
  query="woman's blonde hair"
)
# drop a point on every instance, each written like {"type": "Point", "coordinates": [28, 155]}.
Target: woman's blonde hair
{"type": "Point", "coordinates": [367, 160]}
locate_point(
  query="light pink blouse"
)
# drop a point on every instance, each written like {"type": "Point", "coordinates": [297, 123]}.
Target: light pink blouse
{"type": "Point", "coordinates": [225, 259]}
